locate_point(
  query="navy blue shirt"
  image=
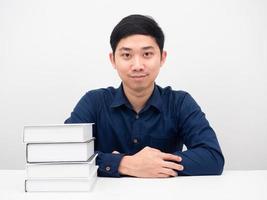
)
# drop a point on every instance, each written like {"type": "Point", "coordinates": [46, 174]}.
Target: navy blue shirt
{"type": "Point", "coordinates": [168, 120]}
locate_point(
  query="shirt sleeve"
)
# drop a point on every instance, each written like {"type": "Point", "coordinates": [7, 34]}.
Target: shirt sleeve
{"type": "Point", "coordinates": [203, 155]}
{"type": "Point", "coordinates": [86, 112]}
{"type": "Point", "coordinates": [108, 164]}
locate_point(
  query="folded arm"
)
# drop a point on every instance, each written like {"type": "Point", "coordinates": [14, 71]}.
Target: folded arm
{"type": "Point", "coordinates": [203, 155]}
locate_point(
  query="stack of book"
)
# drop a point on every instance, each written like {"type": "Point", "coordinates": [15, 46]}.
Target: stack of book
{"type": "Point", "coordinates": [60, 158]}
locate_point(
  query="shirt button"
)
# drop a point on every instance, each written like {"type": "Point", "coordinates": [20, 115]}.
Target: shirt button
{"type": "Point", "coordinates": [135, 141]}
{"type": "Point", "coordinates": [136, 116]}
{"type": "Point", "coordinates": [108, 168]}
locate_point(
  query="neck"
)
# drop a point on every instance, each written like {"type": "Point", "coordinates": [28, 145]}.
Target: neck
{"type": "Point", "coordinates": [138, 99]}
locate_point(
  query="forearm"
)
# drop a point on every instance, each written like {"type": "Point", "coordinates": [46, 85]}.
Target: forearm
{"type": "Point", "coordinates": [201, 161]}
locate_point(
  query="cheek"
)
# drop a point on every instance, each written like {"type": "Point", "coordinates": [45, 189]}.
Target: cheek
{"type": "Point", "coordinates": [122, 68]}
{"type": "Point", "coordinates": [154, 66]}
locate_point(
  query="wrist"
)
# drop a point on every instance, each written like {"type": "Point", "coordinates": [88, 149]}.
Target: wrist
{"type": "Point", "coordinates": [125, 165]}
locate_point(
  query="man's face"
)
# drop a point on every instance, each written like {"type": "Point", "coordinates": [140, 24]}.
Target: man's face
{"type": "Point", "coordinates": [137, 60]}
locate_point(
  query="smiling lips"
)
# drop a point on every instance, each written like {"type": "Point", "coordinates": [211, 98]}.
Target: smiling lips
{"type": "Point", "coordinates": [138, 76]}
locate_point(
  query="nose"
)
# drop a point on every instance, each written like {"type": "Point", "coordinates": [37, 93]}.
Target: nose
{"type": "Point", "coordinates": [137, 64]}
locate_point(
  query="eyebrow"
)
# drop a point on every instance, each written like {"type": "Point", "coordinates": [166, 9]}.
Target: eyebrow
{"type": "Point", "coordinates": [148, 47]}
{"type": "Point", "coordinates": [129, 49]}
{"type": "Point", "coordinates": [125, 49]}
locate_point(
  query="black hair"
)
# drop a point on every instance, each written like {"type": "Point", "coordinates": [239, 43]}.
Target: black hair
{"type": "Point", "coordinates": [137, 24]}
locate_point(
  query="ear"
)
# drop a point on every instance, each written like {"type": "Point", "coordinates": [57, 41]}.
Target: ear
{"type": "Point", "coordinates": [112, 59]}
{"type": "Point", "coordinates": [163, 57]}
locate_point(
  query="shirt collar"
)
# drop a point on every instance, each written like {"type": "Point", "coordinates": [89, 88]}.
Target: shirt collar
{"type": "Point", "coordinates": [120, 98]}
{"type": "Point", "coordinates": [154, 100]}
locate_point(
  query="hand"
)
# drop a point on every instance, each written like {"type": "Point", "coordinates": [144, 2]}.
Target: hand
{"type": "Point", "coordinates": [150, 163]}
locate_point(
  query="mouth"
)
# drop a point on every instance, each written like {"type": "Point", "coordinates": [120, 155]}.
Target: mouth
{"type": "Point", "coordinates": [139, 76]}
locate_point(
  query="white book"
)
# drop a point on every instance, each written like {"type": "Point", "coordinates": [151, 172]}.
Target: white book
{"type": "Point", "coordinates": [61, 170]}
{"type": "Point", "coordinates": [59, 152]}
{"type": "Point", "coordinates": [62, 185]}
{"type": "Point", "coordinates": [58, 133]}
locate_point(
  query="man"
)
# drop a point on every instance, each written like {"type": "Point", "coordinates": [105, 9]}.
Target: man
{"type": "Point", "coordinates": [140, 127]}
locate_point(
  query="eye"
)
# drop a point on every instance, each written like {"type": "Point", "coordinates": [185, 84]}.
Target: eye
{"type": "Point", "coordinates": [126, 56]}
{"type": "Point", "coordinates": [148, 54]}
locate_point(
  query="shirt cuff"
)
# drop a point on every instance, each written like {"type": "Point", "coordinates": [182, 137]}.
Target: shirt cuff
{"type": "Point", "coordinates": [108, 164]}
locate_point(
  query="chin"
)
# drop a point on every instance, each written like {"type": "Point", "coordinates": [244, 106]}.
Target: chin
{"type": "Point", "coordinates": [140, 87]}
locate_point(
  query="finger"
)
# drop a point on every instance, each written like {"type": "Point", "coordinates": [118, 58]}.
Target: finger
{"type": "Point", "coordinates": [168, 171]}
{"type": "Point", "coordinates": [168, 156]}
{"type": "Point", "coordinates": [161, 175]}
{"type": "Point", "coordinates": [172, 165]}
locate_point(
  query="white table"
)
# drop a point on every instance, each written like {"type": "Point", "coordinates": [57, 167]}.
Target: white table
{"type": "Point", "coordinates": [231, 185]}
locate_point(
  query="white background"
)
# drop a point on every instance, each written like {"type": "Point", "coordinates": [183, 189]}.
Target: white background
{"type": "Point", "coordinates": [53, 51]}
